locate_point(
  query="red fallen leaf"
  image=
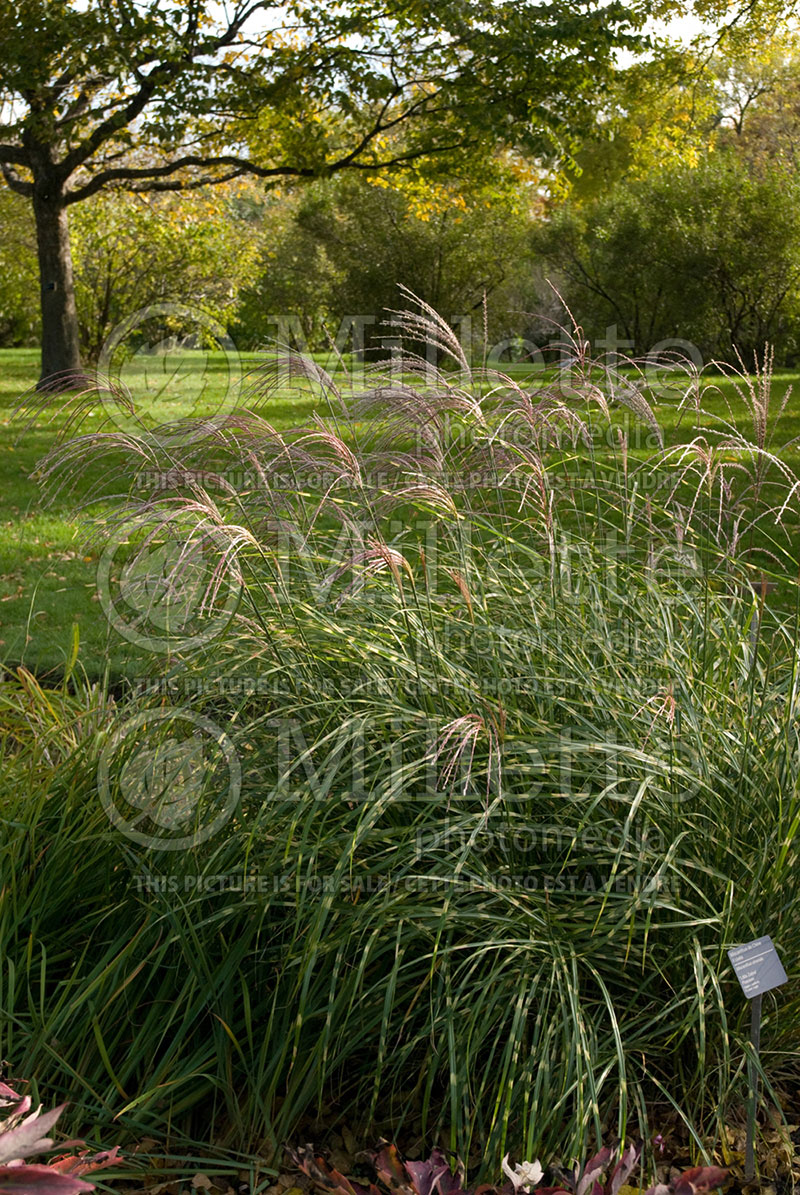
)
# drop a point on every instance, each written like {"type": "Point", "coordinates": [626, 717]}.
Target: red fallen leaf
{"type": "Point", "coordinates": [592, 1171]}
{"type": "Point", "coordinates": [395, 1174]}
{"type": "Point", "coordinates": [423, 1175]}
{"type": "Point", "coordinates": [318, 1170]}
{"type": "Point", "coordinates": [84, 1162]}
{"type": "Point", "coordinates": [28, 1137]}
{"type": "Point", "coordinates": [699, 1178]}
{"type": "Point", "coordinates": [628, 1161]}
{"type": "Point", "coordinates": [39, 1180]}
{"type": "Point", "coordinates": [445, 1182]}
{"type": "Point", "coordinates": [433, 1177]}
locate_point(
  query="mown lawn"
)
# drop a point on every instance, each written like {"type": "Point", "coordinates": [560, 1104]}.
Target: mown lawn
{"type": "Point", "coordinates": [48, 564]}
{"type": "Point", "coordinates": [48, 569]}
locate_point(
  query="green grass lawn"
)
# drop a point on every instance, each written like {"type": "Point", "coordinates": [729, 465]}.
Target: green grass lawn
{"type": "Point", "coordinates": [48, 571]}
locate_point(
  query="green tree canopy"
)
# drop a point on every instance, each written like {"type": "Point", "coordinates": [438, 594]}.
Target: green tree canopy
{"type": "Point", "coordinates": [708, 254]}
{"type": "Point", "coordinates": [173, 94]}
{"type": "Point", "coordinates": [338, 250]}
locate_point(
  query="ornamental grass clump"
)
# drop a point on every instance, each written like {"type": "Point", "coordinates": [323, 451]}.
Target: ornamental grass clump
{"type": "Point", "coordinates": [517, 735]}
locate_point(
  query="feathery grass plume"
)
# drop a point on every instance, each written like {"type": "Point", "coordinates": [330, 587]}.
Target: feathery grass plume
{"type": "Point", "coordinates": [89, 395]}
{"type": "Point", "coordinates": [286, 369]}
{"type": "Point", "coordinates": [461, 737]}
{"type": "Point", "coordinates": [423, 322]}
{"type": "Point", "coordinates": [754, 483]}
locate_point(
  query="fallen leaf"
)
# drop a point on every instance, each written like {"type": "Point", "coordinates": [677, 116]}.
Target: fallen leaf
{"type": "Point", "coordinates": [350, 1143]}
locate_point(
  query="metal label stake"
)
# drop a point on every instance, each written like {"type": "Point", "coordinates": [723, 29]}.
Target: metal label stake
{"type": "Point", "coordinates": [758, 970]}
{"type": "Point", "coordinates": [752, 1079]}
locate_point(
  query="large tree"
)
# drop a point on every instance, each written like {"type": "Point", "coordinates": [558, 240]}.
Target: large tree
{"type": "Point", "coordinates": [169, 94]}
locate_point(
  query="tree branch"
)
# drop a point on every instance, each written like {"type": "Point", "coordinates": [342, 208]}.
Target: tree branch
{"type": "Point", "coordinates": [14, 182]}
{"type": "Point", "coordinates": [187, 184]}
{"type": "Point", "coordinates": [80, 108]}
{"type": "Point", "coordinates": [156, 178]}
{"type": "Point", "coordinates": [409, 157]}
{"type": "Point", "coordinates": [13, 155]}
{"type": "Point", "coordinates": [381, 126]}
{"type": "Point", "coordinates": [149, 84]}
{"type": "Point", "coordinates": [151, 174]}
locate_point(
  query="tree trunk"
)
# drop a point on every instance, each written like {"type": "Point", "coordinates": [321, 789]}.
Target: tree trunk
{"type": "Point", "coordinates": [60, 340]}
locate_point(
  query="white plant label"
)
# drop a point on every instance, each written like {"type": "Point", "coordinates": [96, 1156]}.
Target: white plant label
{"type": "Point", "coordinates": [757, 966]}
